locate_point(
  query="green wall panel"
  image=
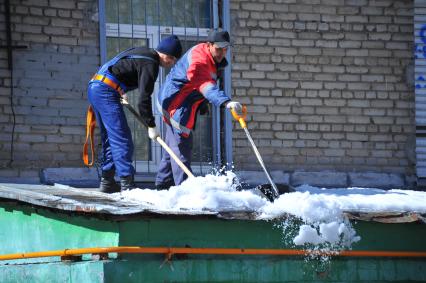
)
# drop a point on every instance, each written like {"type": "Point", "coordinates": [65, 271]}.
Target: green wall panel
{"type": "Point", "coordinates": [24, 228]}
{"type": "Point", "coordinates": [79, 272]}
{"type": "Point", "coordinates": [200, 232]}
{"type": "Point", "coordinates": [264, 269]}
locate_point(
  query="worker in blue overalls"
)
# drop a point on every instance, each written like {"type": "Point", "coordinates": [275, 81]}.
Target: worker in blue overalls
{"type": "Point", "coordinates": [131, 69]}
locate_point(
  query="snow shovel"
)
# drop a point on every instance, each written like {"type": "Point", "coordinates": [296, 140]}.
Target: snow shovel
{"type": "Point", "coordinates": [270, 191]}
{"type": "Point", "coordinates": [185, 169]}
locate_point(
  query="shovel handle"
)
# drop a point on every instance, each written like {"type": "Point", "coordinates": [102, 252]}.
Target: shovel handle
{"type": "Point", "coordinates": [174, 156]}
{"type": "Point", "coordinates": [241, 118]}
{"type": "Point", "coordinates": [185, 169]}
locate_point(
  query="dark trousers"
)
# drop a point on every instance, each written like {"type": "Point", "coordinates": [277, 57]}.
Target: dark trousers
{"type": "Point", "coordinates": [169, 171]}
{"type": "Point", "coordinates": [117, 144]}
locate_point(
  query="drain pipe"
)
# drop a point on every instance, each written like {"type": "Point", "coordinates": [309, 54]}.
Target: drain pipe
{"type": "Point", "coordinates": [170, 251]}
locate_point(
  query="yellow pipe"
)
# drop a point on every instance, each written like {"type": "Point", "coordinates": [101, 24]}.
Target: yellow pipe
{"type": "Point", "coordinates": [220, 251]}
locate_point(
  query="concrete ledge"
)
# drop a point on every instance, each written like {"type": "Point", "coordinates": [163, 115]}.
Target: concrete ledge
{"type": "Point", "coordinates": [259, 177]}
{"type": "Point", "coordinates": [327, 179]}
{"type": "Point", "coordinates": [320, 179]}
{"type": "Point", "coordinates": [22, 176]}
{"type": "Point", "coordinates": [20, 180]}
{"type": "Point", "coordinates": [88, 177]}
{"type": "Point", "coordinates": [376, 180]}
{"type": "Point", "coordinates": [75, 177]}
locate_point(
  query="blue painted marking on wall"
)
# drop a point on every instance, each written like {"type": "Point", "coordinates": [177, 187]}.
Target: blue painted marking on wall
{"type": "Point", "coordinates": [423, 33]}
{"type": "Point", "coordinates": [420, 85]}
{"type": "Point", "coordinates": [420, 53]}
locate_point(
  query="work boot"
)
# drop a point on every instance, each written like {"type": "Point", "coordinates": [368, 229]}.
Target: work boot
{"type": "Point", "coordinates": [127, 183]}
{"type": "Point", "coordinates": [164, 186]}
{"type": "Point", "coordinates": [108, 184]}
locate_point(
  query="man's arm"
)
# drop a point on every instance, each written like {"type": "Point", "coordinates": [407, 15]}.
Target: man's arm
{"type": "Point", "coordinates": [201, 76]}
{"type": "Point", "coordinates": [148, 76]}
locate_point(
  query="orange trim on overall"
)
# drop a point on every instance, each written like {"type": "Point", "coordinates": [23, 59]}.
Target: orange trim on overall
{"type": "Point", "coordinates": [169, 251]}
{"type": "Point", "coordinates": [108, 82]}
{"type": "Point", "coordinates": [90, 130]}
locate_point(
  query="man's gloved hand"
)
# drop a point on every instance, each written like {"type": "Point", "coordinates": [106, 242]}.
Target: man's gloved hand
{"type": "Point", "coordinates": [234, 105]}
{"type": "Point", "coordinates": [204, 107]}
{"type": "Point", "coordinates": [153, 133]}
{"type": "Point", "coordinates": [124, 99]}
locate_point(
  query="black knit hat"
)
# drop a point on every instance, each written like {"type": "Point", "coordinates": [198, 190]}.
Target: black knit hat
{"type": "Point", "coordinates": [170, 46]}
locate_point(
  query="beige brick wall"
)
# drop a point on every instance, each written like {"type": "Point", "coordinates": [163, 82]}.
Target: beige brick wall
{"type": "Point", "coordinates": [50, 81]}
{"type": "Point", "coordinates": [325, 83]}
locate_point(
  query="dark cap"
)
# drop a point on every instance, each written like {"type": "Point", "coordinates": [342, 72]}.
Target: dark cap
{"type": "Point", "coordinates": [219, 38]}
{"type": "Point", "coordinates": [170, 46]}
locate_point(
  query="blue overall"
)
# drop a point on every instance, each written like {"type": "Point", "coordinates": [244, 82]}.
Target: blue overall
{"type": "Point", "coordinates": [117, 144]}
{"type": "Point", "coordinates": [169, 171]}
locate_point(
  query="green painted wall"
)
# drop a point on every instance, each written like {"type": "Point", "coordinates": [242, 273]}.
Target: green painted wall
{"type": "Point", "coordinates": [260, 269]}
{"type": "Point", "coordinates": [26, 229]}
{"type": "Point", "coordinates": [79, 272]}
{"type": "Point", "coordinates": [267, 269]}
{"type": "Point", "coordinates": [200, 232]}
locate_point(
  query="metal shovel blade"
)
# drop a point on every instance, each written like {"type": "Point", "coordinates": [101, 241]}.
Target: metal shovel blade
{"type": "Point", "coordinates": [271, 192]}
{"type": "Point", "coordinates": [268, 191]}
{"type": "Point", "coordinates": [264, 190]}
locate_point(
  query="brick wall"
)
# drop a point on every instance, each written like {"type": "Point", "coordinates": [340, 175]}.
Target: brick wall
{"type": "Point", "coordinates": [327, 83]}
{"type": "Point", "coordinates": [50, 80]}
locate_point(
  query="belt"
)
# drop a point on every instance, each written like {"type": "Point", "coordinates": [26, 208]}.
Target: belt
{"type": "Point", "coordinates": [108, 82]}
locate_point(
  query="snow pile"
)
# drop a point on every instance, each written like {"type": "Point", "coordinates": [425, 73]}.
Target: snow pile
{"type": "Point", "coordinates": [321, 211]}
{"type": "Point", "coordinates": [211, 193]}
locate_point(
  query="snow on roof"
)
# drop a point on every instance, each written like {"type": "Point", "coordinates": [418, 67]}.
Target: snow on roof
{"type": "Point", "coordinates": [325, 213]}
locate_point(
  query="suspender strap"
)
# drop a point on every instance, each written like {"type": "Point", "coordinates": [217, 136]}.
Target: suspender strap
{"type": "Point", "coordinates": [90, 129]}
{"type": "Point", "coordinates": [139, 57]}
{"type": "Point", "coordinates": [104, 76]}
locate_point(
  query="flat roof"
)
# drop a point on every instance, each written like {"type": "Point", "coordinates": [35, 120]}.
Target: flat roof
{"type": "Point", "coordinates": [91, 201]}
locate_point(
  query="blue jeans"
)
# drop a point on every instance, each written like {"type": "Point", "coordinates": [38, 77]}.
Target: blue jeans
{"type": "Point", "coordinates": [168, 170]}
{"type": "Point", "coordinates": [117, 144]}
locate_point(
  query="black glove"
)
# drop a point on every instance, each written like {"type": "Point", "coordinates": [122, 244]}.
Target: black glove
{"type": "Point", "coordinates": [204, 108]}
